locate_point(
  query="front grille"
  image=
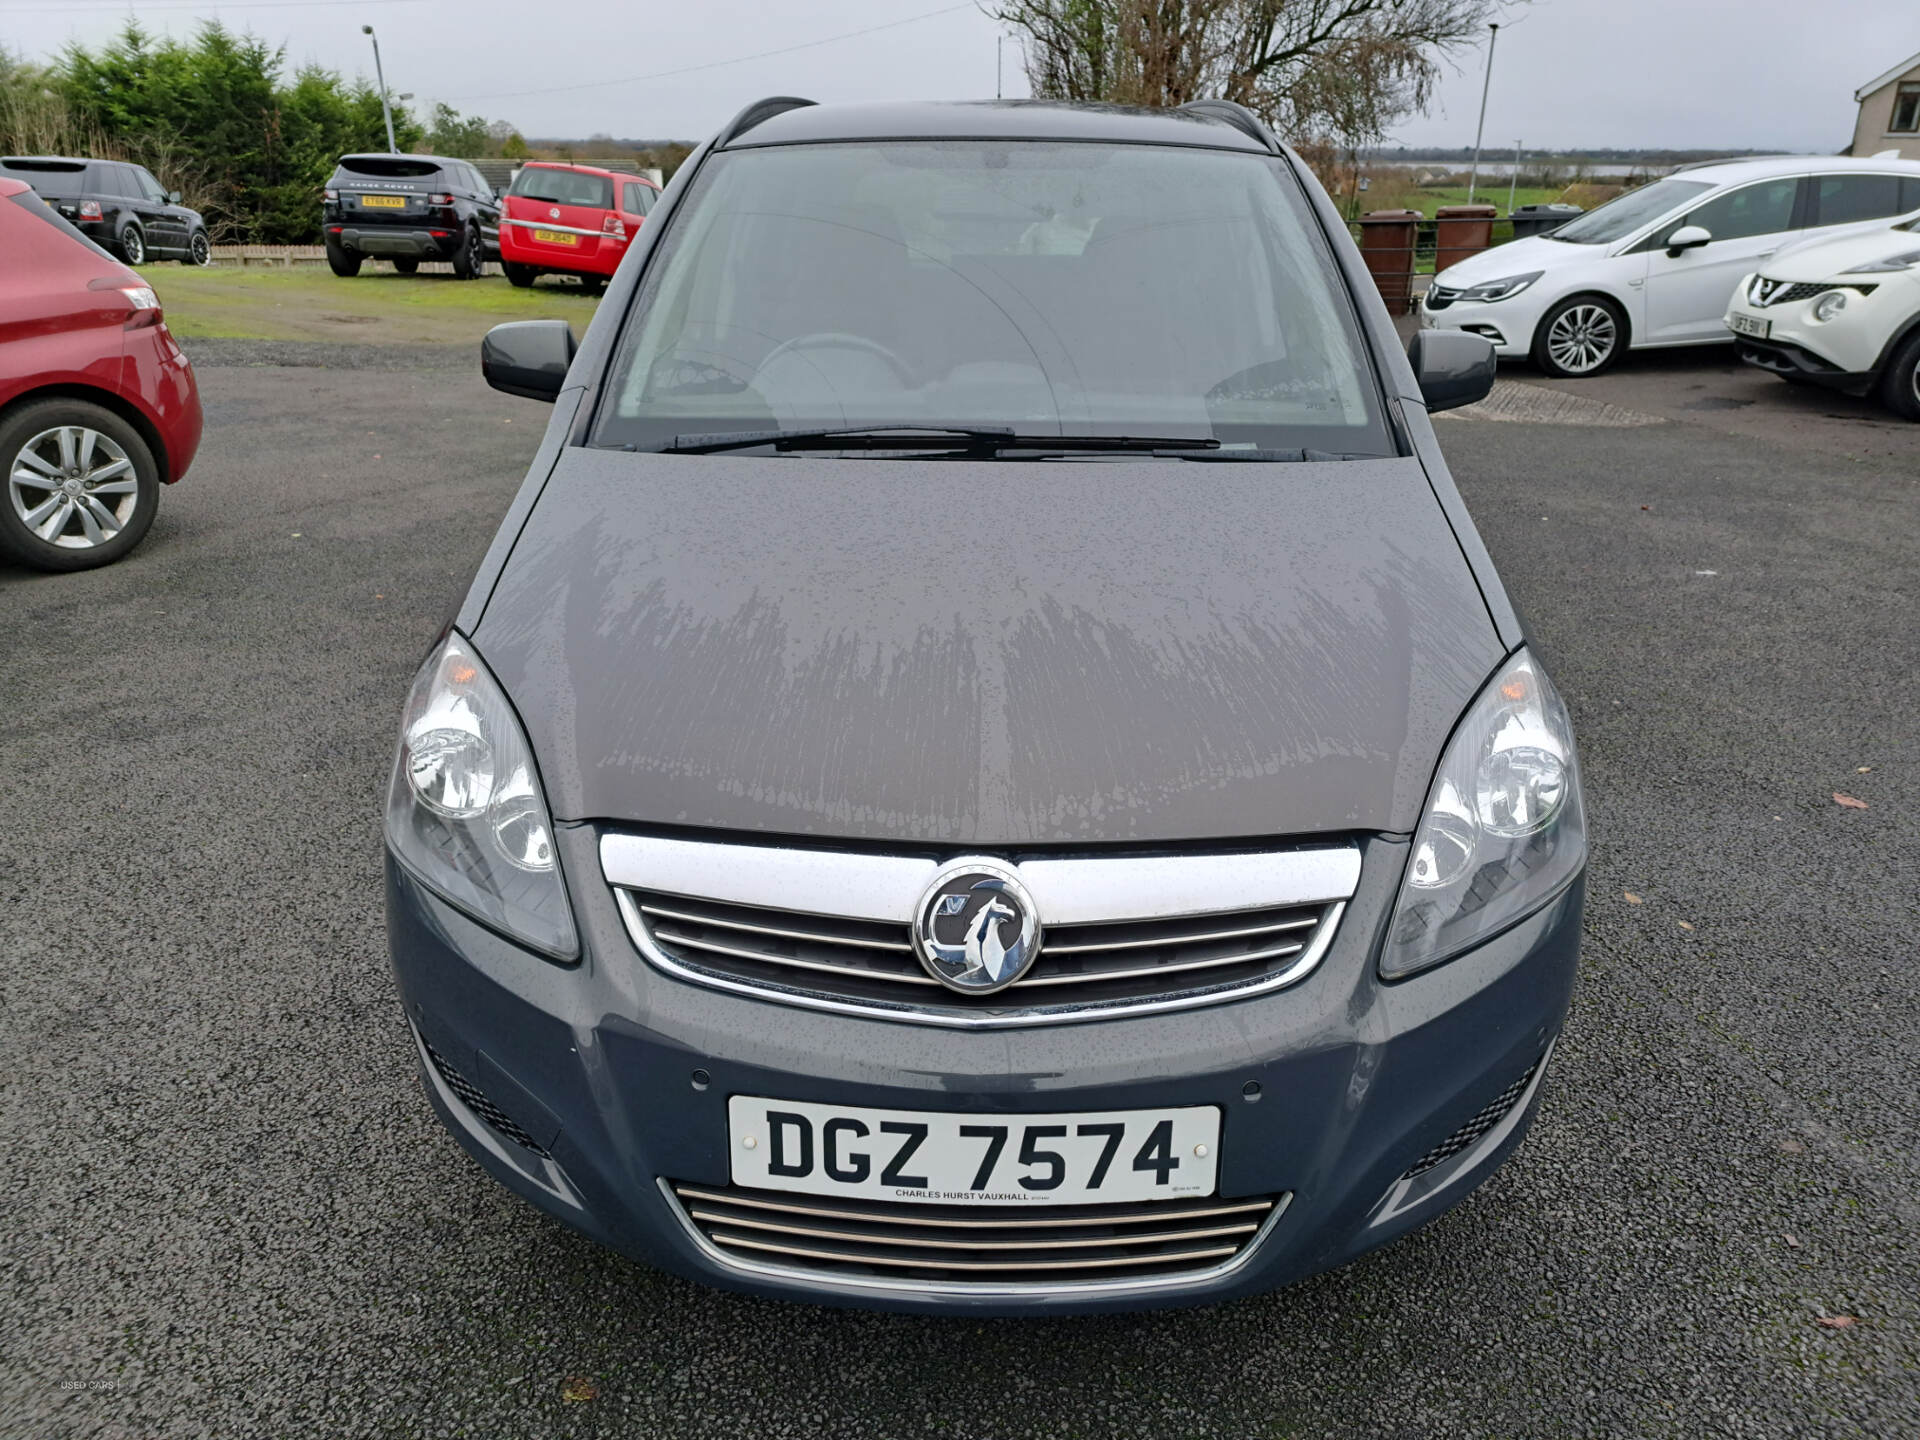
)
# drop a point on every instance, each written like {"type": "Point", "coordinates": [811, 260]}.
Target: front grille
{"type": "Point", "coordinates": [988, 1247]}
{"type": "Point", "coordinates": [475, 1100]}
{"type": "Point", "coordinates": [1078, 965]}
{"type": "Point", "coordinates": [1439, 297]}
{"type": "Point", "coordinates": [1764, 292]}
{"type": "Point", "coordinates": [1468, 1134]}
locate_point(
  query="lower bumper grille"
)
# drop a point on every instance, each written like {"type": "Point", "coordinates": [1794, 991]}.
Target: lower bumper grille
{"type": "Point", "coordinates": [475, 1100]}
{"type": "Point", "coordinates": [1468, 1134]}
{"type": "Point", "coordinates": [976, 1247]}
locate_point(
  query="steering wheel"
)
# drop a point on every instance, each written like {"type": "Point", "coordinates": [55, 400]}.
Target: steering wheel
{"type": "Point", "coordinates": [834, 339]}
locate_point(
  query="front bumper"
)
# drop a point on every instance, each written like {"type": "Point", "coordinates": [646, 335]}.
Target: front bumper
{"type": "Point", "coordinates": [1508, 323]}
{"type": "Point", "coordinates": [1844, 352]}
{"type": "Point", "coordinates": [420, 243]}
{"type": "Point", "coordinates": [588, 1073]}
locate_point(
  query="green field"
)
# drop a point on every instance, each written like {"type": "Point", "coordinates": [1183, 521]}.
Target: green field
{"type": "Point", "coordinates": [1428, 199]}
{"type": "Point", "coordinates": [376, 307]}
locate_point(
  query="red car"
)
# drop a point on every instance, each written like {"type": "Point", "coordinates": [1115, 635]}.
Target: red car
{"type": "Point", "coordinates": [570, 220]}
{"type": "Point", "coordinates": [98, 406]}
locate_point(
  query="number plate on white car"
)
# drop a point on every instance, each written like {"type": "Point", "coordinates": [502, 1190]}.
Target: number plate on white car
{"type": "Point", "coordinates": [1747, 325]}
{"type": "Point", "coordinates": [937, 1158]}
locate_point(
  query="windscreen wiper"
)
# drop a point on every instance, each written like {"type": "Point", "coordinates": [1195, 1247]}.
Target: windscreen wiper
{"type": "Point", "coordinates": [1266, 457]}
{"type": "Point", "coordinates": [972, 440]}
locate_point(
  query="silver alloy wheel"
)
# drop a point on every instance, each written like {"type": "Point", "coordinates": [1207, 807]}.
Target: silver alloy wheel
{"type": "Point", "coordinates": [1582, 338]}
{"type": "Point", "coordinates": [133, 244]}
{"type": "Point", "coordinates": [73, 487]}
{"type": "Point", "coordinates": [200, 248]}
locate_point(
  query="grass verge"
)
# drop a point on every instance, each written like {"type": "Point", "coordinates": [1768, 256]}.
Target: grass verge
{"type": "Point", "coordinates": [376, 307]}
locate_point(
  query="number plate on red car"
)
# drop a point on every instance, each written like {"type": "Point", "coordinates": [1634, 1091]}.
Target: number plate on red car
{"type": "Point", "coordinates": [556, 237]}
{"type": "Point", "coordinates": [940, 1158]}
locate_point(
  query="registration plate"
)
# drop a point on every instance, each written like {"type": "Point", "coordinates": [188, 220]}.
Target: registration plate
{"type": "Point", "coordinates": [1747, 325]}
{"type": "Point", "coordinates": [384, 202]}
{"type": "Point", "coordinates": [556, 237]}
{"type": "Point", "coordinates": [937, 1158]}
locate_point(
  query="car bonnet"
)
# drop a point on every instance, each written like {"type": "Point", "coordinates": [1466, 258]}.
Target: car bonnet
{"type": "Point", "coordinates": [994, 653]}
{"type": "Point", "coordinates": [1827, 259]}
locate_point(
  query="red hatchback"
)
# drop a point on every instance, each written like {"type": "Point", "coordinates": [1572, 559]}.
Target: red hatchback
{"type": "Point", "coordinates": [570, 220]}
{"type": "Point", "coordinates": [98, 407]}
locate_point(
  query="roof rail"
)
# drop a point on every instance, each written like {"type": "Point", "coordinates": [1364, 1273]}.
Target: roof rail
{"type": "Point", "coordinates": [755, 113]}
{"type": "Point", "coordinates": [1236, 115]}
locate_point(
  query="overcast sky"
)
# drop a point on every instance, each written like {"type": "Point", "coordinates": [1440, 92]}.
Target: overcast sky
{"type": "Point", "coordinates": [1771, 74]}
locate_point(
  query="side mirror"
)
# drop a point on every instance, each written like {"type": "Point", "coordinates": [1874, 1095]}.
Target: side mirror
{"type": "Point", "coordinates": [1688, 237]}
{"type": "Point", "coordinates": [173, 197]}
{"type": "Point", "coordinates": [1454, 368]}
{"type": "Point", "coordinates": [528, 357]}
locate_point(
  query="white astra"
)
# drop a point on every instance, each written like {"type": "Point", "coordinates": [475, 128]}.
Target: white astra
{"type": "Point", "coordinates": [1654, 267]}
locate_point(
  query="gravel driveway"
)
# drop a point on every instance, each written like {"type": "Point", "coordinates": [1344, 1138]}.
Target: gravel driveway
{"type": "Point", "coordinates": [226, 1210]}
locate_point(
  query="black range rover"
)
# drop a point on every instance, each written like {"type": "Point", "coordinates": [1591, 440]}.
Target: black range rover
{"type": "Point", "coordinates": [118, 206]}
{"type": "Point", "coordinates": [409, 208]}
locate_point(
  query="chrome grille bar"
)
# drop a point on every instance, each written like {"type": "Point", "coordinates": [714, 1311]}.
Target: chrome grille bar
{"type": "Point", "coordinates": [884, 1244]}
{"type": "Point", "coordinates": [1107, 1262]}
{"type": "Point", "coordinates": [1203, 938]}
{"type": "Point", "coordinates": [1139, 972]}
{"type": "Point", "coordinates": [807, 1232]}
{"type": "Point", "coordinates": [823, 937]}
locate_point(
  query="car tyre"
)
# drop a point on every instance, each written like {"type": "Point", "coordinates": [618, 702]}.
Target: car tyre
{"type": "Point", "coordinates": [132, 244]}
{"type": "Point", "coordinates": [199, 249]}
{"type": "Point", "coordinates": [109, 479]}
{"type": "Point", "coordinates": [1580, 337]}
{"type": "Point", "coordinates": [342, 261]}
{"type": "Point", "coordinates": [1900, 384]}
{"type": "Point", "coordinates": [407, 265]}
{"type": "Point", "coordinates": [470, 260]}
{"type": "Point", "coordinates": [519, 276]}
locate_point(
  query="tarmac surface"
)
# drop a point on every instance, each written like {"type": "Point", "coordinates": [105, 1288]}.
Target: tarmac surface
{"type": "Point", "coordinates": [226, 1209]}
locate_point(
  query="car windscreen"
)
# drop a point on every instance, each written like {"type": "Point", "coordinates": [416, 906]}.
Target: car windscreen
{"type": "Point", "coordinates": [563, 187]}
{"type": "Point", "coordinates": [395, 167]}
{"type": "Point", "coordinates": [1624, 214]}
{"type": "Point", "coordinates": [1051, 288]}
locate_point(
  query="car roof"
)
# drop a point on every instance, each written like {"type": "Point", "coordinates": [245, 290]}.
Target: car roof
{"type": "Point", "coordinates": [10, 187]}
{"type": "Point", "coordinates": [995, 120]}
{"type": "Point", "coordinates": [1729, 172]}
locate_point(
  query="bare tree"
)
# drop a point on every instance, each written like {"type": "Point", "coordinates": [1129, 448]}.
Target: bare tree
{"type": "Point", "coordinates": [1340, 71]}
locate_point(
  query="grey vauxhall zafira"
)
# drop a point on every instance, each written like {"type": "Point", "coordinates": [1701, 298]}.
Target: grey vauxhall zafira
{"type": "Point", "coordinates": [987, 767]}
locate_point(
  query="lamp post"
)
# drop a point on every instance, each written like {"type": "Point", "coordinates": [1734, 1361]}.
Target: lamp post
{"type": "Point", "coordinates": [1514, 182]}
{"type": "Point", "coordinates": [386, 113]}
{"type": "Point", "coordinates": [1473, 176]}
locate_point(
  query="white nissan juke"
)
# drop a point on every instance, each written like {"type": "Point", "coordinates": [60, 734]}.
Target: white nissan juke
{"type": "Point", "coordinates": [1844, 314]}
{"type": "Point", "coordinates": [1655, 266]}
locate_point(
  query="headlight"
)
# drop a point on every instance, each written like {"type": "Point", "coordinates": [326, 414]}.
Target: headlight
{"type": "Point", "coordinates": [1829, 304]}
{"type": "Point", "coordinates": [1501, 289]}
{"type": "Point", "coordinates": [1504, 829]}
{"type": "Point", "coordinates": [1891, 263]}
{"type": "Point", "coordinates": [465, 813]}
